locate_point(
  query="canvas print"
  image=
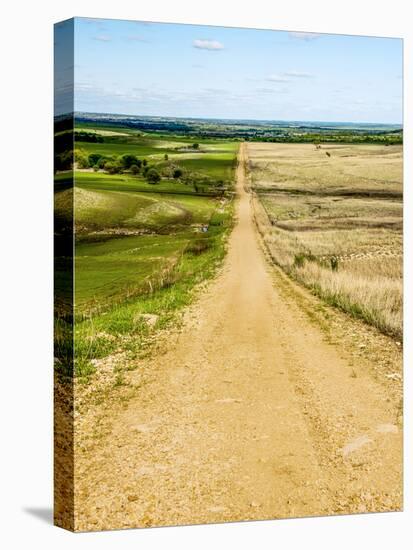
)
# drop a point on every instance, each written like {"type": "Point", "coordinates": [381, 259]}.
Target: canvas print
{"type": "Point", "coordinates": [228, 274]}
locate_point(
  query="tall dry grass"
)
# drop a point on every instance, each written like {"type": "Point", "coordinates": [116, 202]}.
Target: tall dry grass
{"type": "Point", "coordinates": [376, 168]}
{"type": "Point", "coordinates": [378, 300]}
{"type": "Point", "coordinates": [366, 284]}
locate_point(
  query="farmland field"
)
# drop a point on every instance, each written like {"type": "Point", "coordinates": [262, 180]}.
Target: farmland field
{"type": "Point", "coordinates": [331, 216]}
{"type": "Point", "coordinates": [141, 246]}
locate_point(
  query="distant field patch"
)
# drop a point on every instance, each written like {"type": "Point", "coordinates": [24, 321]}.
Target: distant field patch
{"type": "Point", "coordinates": [108, 132]}
{"type": "Point", "coordinates": [350, 169]}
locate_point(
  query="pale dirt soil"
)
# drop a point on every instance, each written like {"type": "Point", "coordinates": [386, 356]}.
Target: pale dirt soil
{"type": "Point", "coordinates": [264, 404]}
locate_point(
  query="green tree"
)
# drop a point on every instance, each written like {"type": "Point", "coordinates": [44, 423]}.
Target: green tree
{"type": "Point", "coordinates": [101, 162]}
{"type": "Point", "coordinates": [113, 167]}
{"type": "Point", "coordinates": [127, 161]}
{"type": "Point", "coordinates": [195, 146]}
{"type": "Point", "coordinates": [135, 169]}
{"type": "Point", "coordinates": [165, 156]}
{"type": "Point", "coordinates": [177, 173]}
{"type": "Point", "coordinates": [81, 158]}
{"type": "Point", "coordinates": [94, 158]}
{"type": "Point", "coordinates": [152, 176]}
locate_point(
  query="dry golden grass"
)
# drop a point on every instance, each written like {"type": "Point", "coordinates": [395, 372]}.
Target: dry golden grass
{"type": "Point", "coordinates": [349, 168]}
{"type": "Point", "coordinates": [335, 223]}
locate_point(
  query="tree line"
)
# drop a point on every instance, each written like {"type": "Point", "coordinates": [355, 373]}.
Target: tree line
{"type": "Point", "coordinates": [124, 163]}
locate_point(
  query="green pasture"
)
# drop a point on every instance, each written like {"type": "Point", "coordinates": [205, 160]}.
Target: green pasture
{"type": "Point", "coordinates": [144, 147]}
{"type": "Point", "coordinates": [114, 318]}
{"type": "Point", "coordinates": [109, 271]}
{"type": "Point", "coordinates": [102, 209]}
{"type": "Point", "coordinates": [111, 147]}
{"type": "Point", "coordinates": [217, 165]}
{"type": "Point", "coordinates": [139, 247]}
{"type": "Point", "coordinates": [125, 182]}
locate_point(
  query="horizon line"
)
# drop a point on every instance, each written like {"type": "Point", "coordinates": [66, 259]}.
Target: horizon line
{"type": "Point", "coordinates": [236, 119]}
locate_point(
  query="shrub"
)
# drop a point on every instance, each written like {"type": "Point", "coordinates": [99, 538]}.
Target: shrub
{"type": "Point", "coordinates": [113, 167]}
{"type": "Point", "coordinates": [177, 173]}
{"type": "Point", "coordinates": [81, 158]}
{"type": "Point", "coordinates": [101, 162]}
{"type": "Point", "coordinates": [198, 246]}
{"type": "Point", "coordinates": [91, 137]}
{"type": "Point", "coordinates": [135, 169]}
{"type": "Point", "coordinates": [301, 257]}
{"type": "Point", "coordinates": [128, 160]}
{"type": "Point", "coordinates": [94, 158]}
{"type": "Point", "coordinates": [334, 263]}
{"type": "Point", "coordinates": [153, 176]}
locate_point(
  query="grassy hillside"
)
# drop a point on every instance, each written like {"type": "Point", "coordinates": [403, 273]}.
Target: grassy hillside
{"type": "Point", "coordinates": [141, 247]}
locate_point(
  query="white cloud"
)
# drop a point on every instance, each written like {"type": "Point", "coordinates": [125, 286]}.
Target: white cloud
{"type": "Point", "coordinates": [277, 78]}
{"type": "Point", "coordinates": [304, 35]}
{"type": "Point", "coordinates": [270, 90]}
{"type": "Point", "coordinates": [298, 74]}
{"type": "Point", "coordinates": [216, 90]}
{"type": "Point", "coordinates": [207, 45]}
{"type": "Point", "coordinates": [287, 76]}
{"type": "Point", "coordinates": [102, 38]}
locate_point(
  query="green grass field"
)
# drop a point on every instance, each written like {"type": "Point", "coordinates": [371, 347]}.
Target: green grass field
{"type": "Point", "coordinates": [155, 148]}
{"type": "Point", "coordinates": [100, 209]}
{"type": "Point", "coordinates": [126, 182]}
{"type": "Point", "coordinates": [112, 270]}
{"type": "Point", "coordinates": [211, 164]}
{"type": "Point", "coordinates": [141, 248]}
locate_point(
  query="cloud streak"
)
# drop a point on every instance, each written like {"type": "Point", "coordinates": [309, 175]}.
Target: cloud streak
{"type": "Point", "coordinates": [288, 76]}
{"type": "Point", "coordinates": [270, 91]}
{"type": "Point", "coordinates": [102, 38]}
{"type": "Point", "coordinates": [298, 74]}
{"type": "Point", "coordinates": [278, 78]}
{"type": "Point", "coordinates": [207, 45]}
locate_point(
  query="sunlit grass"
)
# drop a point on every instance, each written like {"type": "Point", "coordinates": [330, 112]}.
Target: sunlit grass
{"type": "Point", "coordinates": [347, 247]}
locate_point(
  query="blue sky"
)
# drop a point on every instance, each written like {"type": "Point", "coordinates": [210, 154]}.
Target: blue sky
{"type": "Point", "coordinates": [160, 69]}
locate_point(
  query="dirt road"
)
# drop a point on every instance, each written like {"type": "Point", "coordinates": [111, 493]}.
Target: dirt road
{"type": "Point", "coordinates": [250, 413]}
